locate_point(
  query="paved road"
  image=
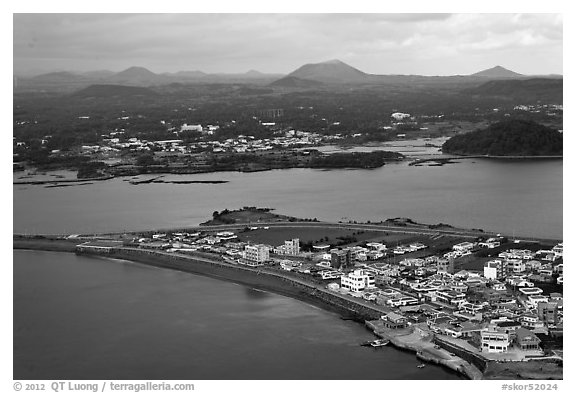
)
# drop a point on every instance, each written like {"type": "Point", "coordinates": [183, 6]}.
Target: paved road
{"type": "Point", "coordinates": [459, 233]}
{"type": "Point", "coordinates": [329, 225]}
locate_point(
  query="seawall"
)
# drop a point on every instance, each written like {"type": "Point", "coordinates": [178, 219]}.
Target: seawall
{"type": "Point", "coordinates": [255, 277]}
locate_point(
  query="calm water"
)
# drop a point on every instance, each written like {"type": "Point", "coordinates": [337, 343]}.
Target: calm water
{"type": "Point", "coordinates": [78, 317]}
{"type": "Point", "coordinates": [89, 318]}
{"type": "Point", "coordinates": [513, 197]}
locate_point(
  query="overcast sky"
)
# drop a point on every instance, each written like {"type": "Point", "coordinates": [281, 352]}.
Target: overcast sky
{"type": "Point", "coordinates": [425, 44]}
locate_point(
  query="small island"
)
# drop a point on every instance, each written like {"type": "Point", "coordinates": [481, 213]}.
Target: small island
{"type": "Point", "coordinates": [510, 138]}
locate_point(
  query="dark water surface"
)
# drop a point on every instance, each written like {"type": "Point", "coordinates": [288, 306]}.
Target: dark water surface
{"type": "Point", "coordinates": [511, 197]}
{"type": "Point", "coordinates": [77, 317]}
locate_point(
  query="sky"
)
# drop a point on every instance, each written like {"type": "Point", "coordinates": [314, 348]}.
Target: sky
{"type": "Point", "coordinates": [377, 43]}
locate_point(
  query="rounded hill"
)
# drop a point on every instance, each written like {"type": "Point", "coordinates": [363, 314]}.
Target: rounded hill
{"type": "Point", "coordinates": [508, 138]}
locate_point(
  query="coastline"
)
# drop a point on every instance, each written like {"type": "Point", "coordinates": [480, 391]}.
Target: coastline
{"type": "Point", "coordinates": [417, 338]}
{"type": "Point", "coordinates": [348, 308]}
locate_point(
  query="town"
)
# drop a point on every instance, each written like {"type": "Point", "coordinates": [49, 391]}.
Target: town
{"type": "Point", "coordinates": [509, 309]}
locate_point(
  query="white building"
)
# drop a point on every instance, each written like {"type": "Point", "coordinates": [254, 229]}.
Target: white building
{"type": "Point", "coordinates": [191, 127]}
{"type": "Point", "coordinates": [558, 249]}
{"type": "Point", "coordinates": [400, 116]}
{"type": "Point", "coordinates": [494, 341]}
{"type": "Point", "coordinates": [290, 247]}
{"type": "Point", "coordinates": [358, 280]}
{"type": "Point", "coordinates": [257, 254]}
{"type": "Point", "coordinates": [494, 270]}
{"type": "Point", "coordinates": [463, 247]}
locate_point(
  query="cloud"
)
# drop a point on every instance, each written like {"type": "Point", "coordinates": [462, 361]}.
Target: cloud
{"type": "Point", "coordinates": [376, 43]}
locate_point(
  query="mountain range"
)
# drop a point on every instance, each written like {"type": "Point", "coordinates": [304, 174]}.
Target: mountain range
{"type": "Point", "coordinates": [332, 72]}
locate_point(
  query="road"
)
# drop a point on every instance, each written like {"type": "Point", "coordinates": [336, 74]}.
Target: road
{"type": "Point", "coordinates": [456, 232]}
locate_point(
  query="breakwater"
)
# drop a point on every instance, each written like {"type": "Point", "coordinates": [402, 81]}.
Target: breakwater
{"type": "Point", "coordinates": [63, 181]}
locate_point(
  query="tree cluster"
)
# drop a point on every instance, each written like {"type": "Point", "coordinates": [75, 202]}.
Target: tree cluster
{"type": "Point", "coordinates": [507, 138]}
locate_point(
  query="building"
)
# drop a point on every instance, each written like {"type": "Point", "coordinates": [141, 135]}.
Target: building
{"type": "Point", "coordinates": [494, 270]}
{"type": "Point", "coordinates": [527, 340]}
{"type": "Point", "coordinates": [445, 266]}
{"type": "Point", "coordinates": [290, 247]}
{"type": "Point", "coordinates": [191, 127]}
{"type": "Point", "coordinates": [548, 312]}
{"type": "Point", "coordinates": [448, 296]}
{"type": "Point", "coordinates": [400, 116]}
{"type": "Point", "coordinates": [340, 258]}
{"type": "Point", "coordinates": [463, 247]}
{"type": "Point", "coordinates": [358, 280]}
{"type": "Point", "coordinates": [534, 300]}
{"type": "Point", "coordinates": [402, 301]}
{"type": "Point", "coordinates": [461, 330]}
{"type": "Point", "coordinates": [256, 254]}
{"type": "Point", "coordinates": [530, 321]}
{"type": "Point", "coordinates": [394, 321]}
{"type": "Point", "coordinates": [494, 340]}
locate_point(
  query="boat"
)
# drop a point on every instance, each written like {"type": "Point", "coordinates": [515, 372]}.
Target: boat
{"type": "Point", "coordinates": [379, 343]}
{"type": "Point", "coordinates": [421, 365]}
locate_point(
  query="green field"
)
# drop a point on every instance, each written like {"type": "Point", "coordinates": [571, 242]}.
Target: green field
{"type": "Point", "coordinates": [276, 236]}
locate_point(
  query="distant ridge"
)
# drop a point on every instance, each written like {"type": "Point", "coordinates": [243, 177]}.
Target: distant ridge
{"type": "Point", "coordinates": [498, 72]}
{"type": "Point", "coordinates": [108, 91]}
{"type": "Point", "coordinates": [328, 73]}
{"type": "Point", "coordinates": [522, 90]}
{"type": "Point", "coordinates": [292, 81]}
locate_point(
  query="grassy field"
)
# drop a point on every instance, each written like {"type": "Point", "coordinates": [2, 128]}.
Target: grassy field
{"type": "Point", "coordinates": [276, 236]}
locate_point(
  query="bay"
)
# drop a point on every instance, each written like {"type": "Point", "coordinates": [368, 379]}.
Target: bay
{"type": "Point", "coordinates": [78, 317]}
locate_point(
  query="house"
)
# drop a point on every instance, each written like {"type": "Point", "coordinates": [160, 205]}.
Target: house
{"type": "Point", "coordinates": [530, 320]}
{"type": "Point", "coordinates": [459, 287]}
{"type": "Point", "coordinates": [256, 254]}
{"type": "Point", "coordinates": [402, 301]}
{"type": "Point", "coordinates": [517, 266]}
{"type": "Point", "coordinates": [519, 282]}
{"type": "Point", "coordinates": [330, 274]}
{"type": "Point", "coordinates": [450, 297]}
{"type": "Point", "coordinates": [509, 327]}
{"type": "Point", "coordinates": [527, 340]}
{"type": "Point", "coordinates": [393, 320]}
{"type": "Point", "coordinates": [463, 247]}
{"type": "Point", "coordinates": [494, 340]}
{"type": "Point", "coordinates": [358, 280]}
{"type": "Point", "coordinates": [534, 300]}
{"type": "Point", "coordinates": [555, 296]}
{"type": "Point", "coordinates": [558, 249]}
{"type": "Point", "coordinates": [462, 330]}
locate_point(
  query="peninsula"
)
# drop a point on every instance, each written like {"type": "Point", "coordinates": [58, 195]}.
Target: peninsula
{"type": "Point", "coordinates": [464, 299]}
